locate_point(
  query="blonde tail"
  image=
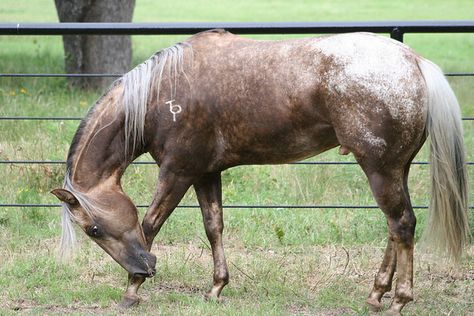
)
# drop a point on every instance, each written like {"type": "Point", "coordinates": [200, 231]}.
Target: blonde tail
{"type": "Point", "coordinates": [448, 225]}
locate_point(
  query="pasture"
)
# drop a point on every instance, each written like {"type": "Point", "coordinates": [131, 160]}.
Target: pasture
{"type": "Point", "coordinates": [281, 261]}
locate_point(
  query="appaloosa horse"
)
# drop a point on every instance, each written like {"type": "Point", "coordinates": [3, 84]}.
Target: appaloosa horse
{"type": "Point", "coordinates": [218, 100]}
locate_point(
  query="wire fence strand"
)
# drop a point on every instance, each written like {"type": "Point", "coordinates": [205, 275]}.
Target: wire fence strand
{"type": "Point", "coordinates": [51, 75]}
{"type": "Point", "coordinates": [323, 163]}
{"type": "Point", "coordinates": [242, 206]}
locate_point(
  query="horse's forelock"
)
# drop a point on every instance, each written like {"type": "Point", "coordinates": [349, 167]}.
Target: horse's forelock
{"type": "Point", "coordinates": [90, 207]}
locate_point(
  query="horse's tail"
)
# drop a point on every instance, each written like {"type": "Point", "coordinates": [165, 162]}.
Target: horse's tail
{"type": "Point", "coordinates": [448, 225]}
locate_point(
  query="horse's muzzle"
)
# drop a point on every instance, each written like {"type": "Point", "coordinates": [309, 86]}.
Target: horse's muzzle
{"type": "Point", "coordinates": [151, 272]}
{"type": "Point", "coordinates": [144, 265]}
{"type": "Point", "coordinates": [149, 260]}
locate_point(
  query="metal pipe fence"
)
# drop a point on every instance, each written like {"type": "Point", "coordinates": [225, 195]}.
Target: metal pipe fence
{"type": "Point", "coordinates": [396, 29]}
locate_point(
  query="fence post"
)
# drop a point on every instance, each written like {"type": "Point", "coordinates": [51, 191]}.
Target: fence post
{"type": "Point", "coordinates": [397, 34]}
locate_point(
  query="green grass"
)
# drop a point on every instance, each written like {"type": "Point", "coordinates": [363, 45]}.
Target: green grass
{"type": "Point", "coordinates": [281, 261]}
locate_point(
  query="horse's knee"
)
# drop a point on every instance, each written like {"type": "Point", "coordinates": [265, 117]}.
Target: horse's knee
{"type": "Point", "coordinates": [213, 225]}
{"type": "Point", "coordinates": [148, 231]}
{"type": "Point", "coordinates": [147, 227]}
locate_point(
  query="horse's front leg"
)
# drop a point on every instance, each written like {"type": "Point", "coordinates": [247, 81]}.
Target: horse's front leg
{"type": "Point", "coordinates": [130, 297]}
{"type": "Point", "coordinates": [209, 194]}
{"type": "Point", "coordinates": [171, 189]}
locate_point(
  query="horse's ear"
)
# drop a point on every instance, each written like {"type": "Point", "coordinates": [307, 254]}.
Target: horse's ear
{"type": "Point", "coordinates": [65, 196]}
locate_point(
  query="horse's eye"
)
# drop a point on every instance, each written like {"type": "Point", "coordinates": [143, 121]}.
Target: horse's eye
{"type": "Point", "coordinates": [94, 231]}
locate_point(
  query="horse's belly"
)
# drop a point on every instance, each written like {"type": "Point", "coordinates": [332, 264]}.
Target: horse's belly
{"type": "Point", "coordinates": [283, 145]}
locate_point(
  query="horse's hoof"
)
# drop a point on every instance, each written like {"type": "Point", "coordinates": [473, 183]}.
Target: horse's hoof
{"type": "Point", "coordinates": [394, 309]}
{"type": "Point", "coordinates": [128, 302]}
{"type": "Point", "coordinates": [374, 305]}
{"type": "Point", "coordinates": [392, 312]}
{"type": "Point", "coordinates": [209, 297]}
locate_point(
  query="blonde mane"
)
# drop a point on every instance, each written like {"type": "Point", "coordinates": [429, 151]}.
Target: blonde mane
{"type": "Point", "coordinates": [143, 80]}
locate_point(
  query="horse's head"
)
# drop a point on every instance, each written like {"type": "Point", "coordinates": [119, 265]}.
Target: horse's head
{"type": "Point", "coordinates": [112, 224]}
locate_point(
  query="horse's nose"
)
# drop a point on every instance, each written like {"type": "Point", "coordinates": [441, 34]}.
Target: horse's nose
{"type": "Point", "coordinates": [151, 272]}
{"type": "Point", "coordinates": [149, 260]}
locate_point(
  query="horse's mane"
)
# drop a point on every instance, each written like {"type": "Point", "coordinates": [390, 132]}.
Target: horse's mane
{"type": "Point", "coordinates": [138, 86]}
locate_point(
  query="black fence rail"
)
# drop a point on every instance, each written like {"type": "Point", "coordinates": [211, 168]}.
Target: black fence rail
{"type": "Point", "coordinates": [396, 29]}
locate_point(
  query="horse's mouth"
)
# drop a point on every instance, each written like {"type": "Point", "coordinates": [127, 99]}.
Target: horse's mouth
{"type": "Point", "coordinates": [148, 274]}
{"type": "Point", "coordinates": [150, 269]}
{"type": "Point", "coordinates": [151, 272]}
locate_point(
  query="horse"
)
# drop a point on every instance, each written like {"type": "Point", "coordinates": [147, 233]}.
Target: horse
{"type": "Point", "coordinates": [217, 100]}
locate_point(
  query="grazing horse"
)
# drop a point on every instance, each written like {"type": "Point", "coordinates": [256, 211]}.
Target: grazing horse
{"type": "Point", "coordinates": [218, 100]}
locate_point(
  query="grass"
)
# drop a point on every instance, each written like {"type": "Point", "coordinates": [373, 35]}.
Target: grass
{"type": "Point", "coordinates": [281, 261]}
{"type": "Point", "coordinates": [267, 281]}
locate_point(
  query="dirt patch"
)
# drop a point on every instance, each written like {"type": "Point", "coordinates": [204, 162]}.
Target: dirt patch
{"type": "Point", "coordinates": [303, 311]}
{"type": "Point", "coordinates": [25, 306]}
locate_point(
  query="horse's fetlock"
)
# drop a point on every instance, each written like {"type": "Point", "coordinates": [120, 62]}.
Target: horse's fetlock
{"type": "Point", "coordinates": [221, 278]}
{"type": "Point", "coordinates": [403, 295]}
{"type": "Point", "coordinates": [225, 279]}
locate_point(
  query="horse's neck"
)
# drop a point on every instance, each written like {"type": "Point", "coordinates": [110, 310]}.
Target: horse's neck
{"type": "Point", "coordinates": [117, 123]}
{"type": "Point", "coordinates": [99, 156]}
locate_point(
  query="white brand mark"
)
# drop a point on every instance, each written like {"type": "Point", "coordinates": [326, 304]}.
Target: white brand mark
{"type": "Point", "coordinates": [174, 108]}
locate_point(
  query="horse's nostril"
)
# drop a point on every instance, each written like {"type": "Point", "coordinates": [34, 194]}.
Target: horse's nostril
{"type": "Point", "coordinates": [151, 272]}
{"type": "Point", "coordinates": [149, 261]}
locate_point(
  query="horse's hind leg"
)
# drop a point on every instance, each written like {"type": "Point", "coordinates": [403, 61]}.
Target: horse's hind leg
{"type": "Point", "coordinates": [390, 191]}
{"type": "Point", "coordinates": [209, 194]}
{"type": "Point", "coordinates": [384, 277]}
